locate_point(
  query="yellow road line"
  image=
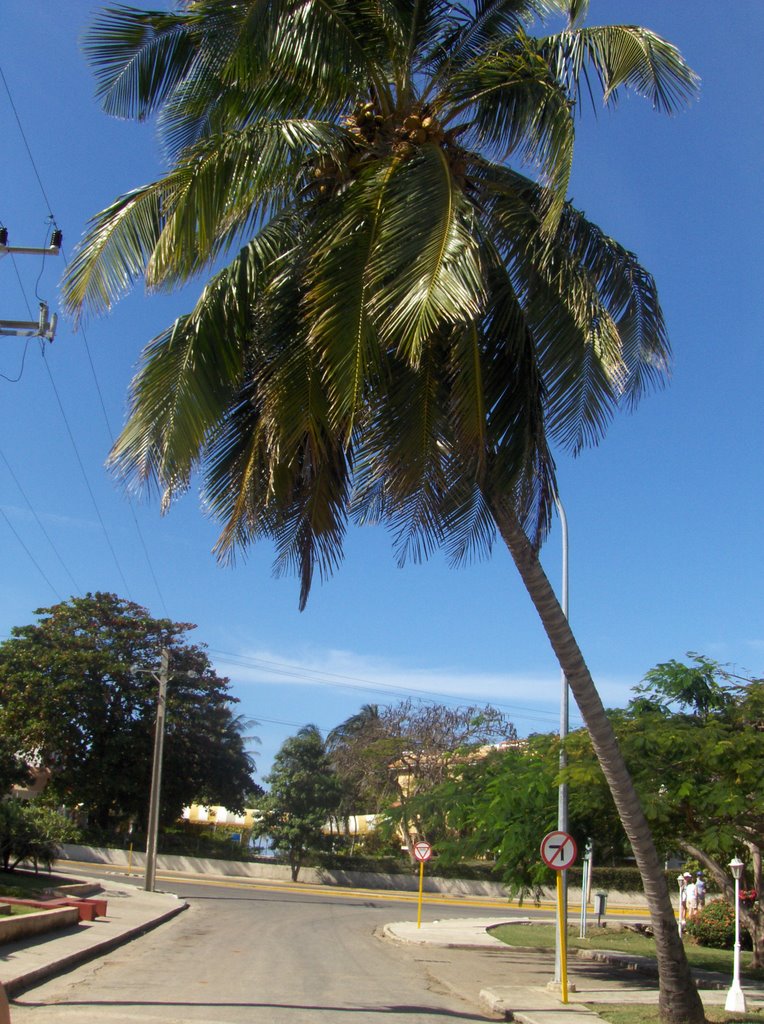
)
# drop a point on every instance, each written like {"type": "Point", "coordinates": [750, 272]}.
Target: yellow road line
{"type": "Point", "coordinates": [394, 896]}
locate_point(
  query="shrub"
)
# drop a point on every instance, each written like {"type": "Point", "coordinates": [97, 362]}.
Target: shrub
{"type": "Point", "coordinates": [31, 832]}
{"type": "Point", "coordinates": [715, 926]}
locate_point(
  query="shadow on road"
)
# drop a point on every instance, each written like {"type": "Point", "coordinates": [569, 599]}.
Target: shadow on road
{"type": "Point", "coordinates": [334, 901]}
{"type": "Point", "coordinates": [432, 1011]}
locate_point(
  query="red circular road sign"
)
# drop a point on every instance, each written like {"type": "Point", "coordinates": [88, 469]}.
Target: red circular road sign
{"type": "Point", "coordinates": [558, 850]}
{"type": "Point", "coordinates": [422, 850]}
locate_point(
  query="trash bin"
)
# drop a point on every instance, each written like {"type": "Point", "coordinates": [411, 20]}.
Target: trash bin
{"type": "Point", "coordinates": [600, 905]}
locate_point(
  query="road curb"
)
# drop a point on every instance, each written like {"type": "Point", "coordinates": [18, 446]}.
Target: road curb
{"type": "Point", "coordinates": [22, 982]}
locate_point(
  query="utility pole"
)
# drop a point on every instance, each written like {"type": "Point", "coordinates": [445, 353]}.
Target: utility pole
{"type": "Point", "coordinates": [45, 325]}
{"type": "Point", "coordinates": [156, 773]}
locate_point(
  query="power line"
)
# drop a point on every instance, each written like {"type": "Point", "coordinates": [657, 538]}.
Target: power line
{"type": "Point", "coordinates": [39, 523]}
{"type": "Point", "coordinates": [110, 433]}
{"type": "Point", "coordinates": [95, 379]}
{"type": "Point", "coordinates": [319, 677]}
{"type": "Point", "coordinates": [26, 144]}
{"type": "Point", "coordinates": [86, 481]}
{"type": "Point", "coordinates": [29, 553]}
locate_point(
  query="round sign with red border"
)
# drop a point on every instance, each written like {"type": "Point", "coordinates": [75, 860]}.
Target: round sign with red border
{"type": "Point", "coordinates": [558, 850]}
{"type": "Point", "coordinates": [422, 850]}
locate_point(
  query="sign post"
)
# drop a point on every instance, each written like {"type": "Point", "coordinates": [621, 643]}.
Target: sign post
{"type": "Point", "coordinates": [422, 853]}
{"type": "Point", "coordinates": [559, 851]}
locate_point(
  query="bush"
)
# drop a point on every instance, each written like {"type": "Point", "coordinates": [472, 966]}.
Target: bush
{"type": "Point", "coordinates": [714, 926]}
{"type": "Point", "coordinates": [31, 832]}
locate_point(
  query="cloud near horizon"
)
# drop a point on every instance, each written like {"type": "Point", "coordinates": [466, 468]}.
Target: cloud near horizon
{"type": "Point", "coordinates": [531, 698]}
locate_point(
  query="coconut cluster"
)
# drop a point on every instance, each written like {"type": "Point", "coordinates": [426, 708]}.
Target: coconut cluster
{"type": "Point", "coordinates": [376, 132]}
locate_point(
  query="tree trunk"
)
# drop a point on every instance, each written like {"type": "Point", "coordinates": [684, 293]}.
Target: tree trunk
{"type": "Point", "coordinates": [754, 919]}
{"type": "Point", "coordinates": [295, 862]}
{"type": "Point", "coordinates": [678, 998]}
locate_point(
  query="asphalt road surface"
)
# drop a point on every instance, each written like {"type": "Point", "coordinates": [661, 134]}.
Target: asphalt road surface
{"type": "Point", "coordinates": [271, 955]}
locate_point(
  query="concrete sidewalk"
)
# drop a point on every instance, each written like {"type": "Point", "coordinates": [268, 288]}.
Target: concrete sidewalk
{"type": "Point", "coordinates": [516, 981]}
{"type": "Point", "coordinates": [510, 982]}
{"type": "Point", "coordinates": [130, 912]}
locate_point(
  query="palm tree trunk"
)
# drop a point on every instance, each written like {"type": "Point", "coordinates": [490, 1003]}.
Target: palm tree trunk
{"type": "Point", "coordinates": [678, 1000]}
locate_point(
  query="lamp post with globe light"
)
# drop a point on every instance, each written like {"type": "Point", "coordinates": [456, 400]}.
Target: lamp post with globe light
{"type": "Point", "coordinates": [735, 1002]}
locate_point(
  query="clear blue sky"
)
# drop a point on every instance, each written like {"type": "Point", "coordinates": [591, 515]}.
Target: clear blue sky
{"type": "Point", "coordinates": [665, 516]}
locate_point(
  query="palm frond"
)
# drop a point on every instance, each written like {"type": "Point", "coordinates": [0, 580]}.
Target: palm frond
{"type": "Point", "coordinates": [623, 56]}
{"type": "Point", "coordinates": [517, 108]}
{"type": "Point", "coordinates": [114, 251]}
{"type": "Point", "coordinates": [425, 270]}
{"type": "Point", "coordinates": [226, 186]}
{"type": "Point", "coordinates": [193, 370]}
{"type": "Point", "coordinates": [138, 57]}
{"type": "Point", "coordinates": [591, 307]}
{"type": "Point", "coordinates": [401, 456]}
{"type": "Point", "coordinates": [469, 530]}
{"type": "Point", "coordinates": [467, 35]}
{"type": "Point", "coordinates": [330, 49]}
{"type": "Point", "coordinates": [337, 307]}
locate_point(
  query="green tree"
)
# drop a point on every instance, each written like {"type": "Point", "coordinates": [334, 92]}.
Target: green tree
{"type": "Point", "coordinates": [411, 322]}
{"type": "Point", "coordinates": [353, 747]}
{"type": "Point", "coordinates": [692, 737]}
{"type": "Point", "coordinates": [32, 832]}
{"type": "Point", "coordinates": [303, 793]}
{"type": "Point", "coordinates": [79, 688]}
{"type": "Point", "coordinates": [386, 756]}
{"type": "Point", "coordinates": [500, 805]}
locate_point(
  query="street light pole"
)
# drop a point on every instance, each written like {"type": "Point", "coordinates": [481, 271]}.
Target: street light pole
{"type": "Point", "coordinates": [562, 795]}
{"type": "Point", "coordinates": [735, 996]}
{"type": "Point", "coordinates": [156, 773]}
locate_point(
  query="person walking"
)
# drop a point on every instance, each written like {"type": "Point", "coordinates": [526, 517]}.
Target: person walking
{"type": "Point", "coordinates": [682, 882]}
{"type": "Point", "coordinates": [700, 889]}
{"type": "Point", "coordinates": [690, 897]}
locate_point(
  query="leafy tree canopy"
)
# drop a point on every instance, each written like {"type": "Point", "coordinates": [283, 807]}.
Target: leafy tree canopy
{"type": "Point", "coordinates": [384, 756]}
{"type": "Point", "coordinates": [693, 740]}
{"type": "Point", "coordinates": [303, 792]}
{"type": "Point", "coordinates": [407, 320]}
{"type": "Point", "coordinates": [79, 687]}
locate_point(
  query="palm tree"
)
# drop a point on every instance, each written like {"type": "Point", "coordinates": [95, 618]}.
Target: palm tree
{"type": "Point", "coordinates": [414, 316]}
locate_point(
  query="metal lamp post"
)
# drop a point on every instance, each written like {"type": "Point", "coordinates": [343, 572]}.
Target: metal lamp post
{"type": "Point", "coordinates": [562, 796]}
{"type": "Point", "coordinates": [735, 1002]}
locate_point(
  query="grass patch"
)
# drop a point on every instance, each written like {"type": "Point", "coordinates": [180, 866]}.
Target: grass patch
{"type": "Point", "coordinates": [541, 936]}
{"type": "Point", "coordinates": [641, 1014]}
{"type": "Point", "coordinates": [28, 886]}
{"type": "Point", "coordinates": [20, 911]}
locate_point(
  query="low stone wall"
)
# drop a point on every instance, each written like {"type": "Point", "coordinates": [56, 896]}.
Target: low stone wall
{"type": "Point", "coordinates": [359, 879]}
{"type": "Point", "coordinates": [25, 926]}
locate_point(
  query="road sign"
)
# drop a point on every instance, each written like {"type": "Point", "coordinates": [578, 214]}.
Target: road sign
{"type": "Point", "coordinates": [558, 850]}
{"type": "Point", "coordinates": [422, 851]}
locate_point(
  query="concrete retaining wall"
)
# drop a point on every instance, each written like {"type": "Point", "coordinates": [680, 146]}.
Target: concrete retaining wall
{"type": "Point", "coordinates": [25, 926]}
{"type": "Point", "coordinates": [360, 879]}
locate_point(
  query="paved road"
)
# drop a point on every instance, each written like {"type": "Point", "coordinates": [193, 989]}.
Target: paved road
{"type": "Point", "coordinates": [266, 956]}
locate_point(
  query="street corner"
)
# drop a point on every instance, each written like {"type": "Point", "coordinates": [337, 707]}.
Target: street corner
{"type": "Point", "coordinates": [529, 1006]}
{"type": "Point", "coordinates": [467, 933]}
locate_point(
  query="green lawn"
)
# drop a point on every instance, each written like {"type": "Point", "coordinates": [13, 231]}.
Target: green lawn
{"type": "Point", "coordinates": [17, 911]}
{"type": "Point", "coordinates": [541, 936]}
{"type": "Point", "coordinates": [28, 886]}
{"type": "Point", "coordinates": [641, 1014]}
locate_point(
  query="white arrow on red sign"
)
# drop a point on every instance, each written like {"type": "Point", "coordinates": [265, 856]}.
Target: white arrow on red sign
{"type": "Point", "coordinates": [422, 850]}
